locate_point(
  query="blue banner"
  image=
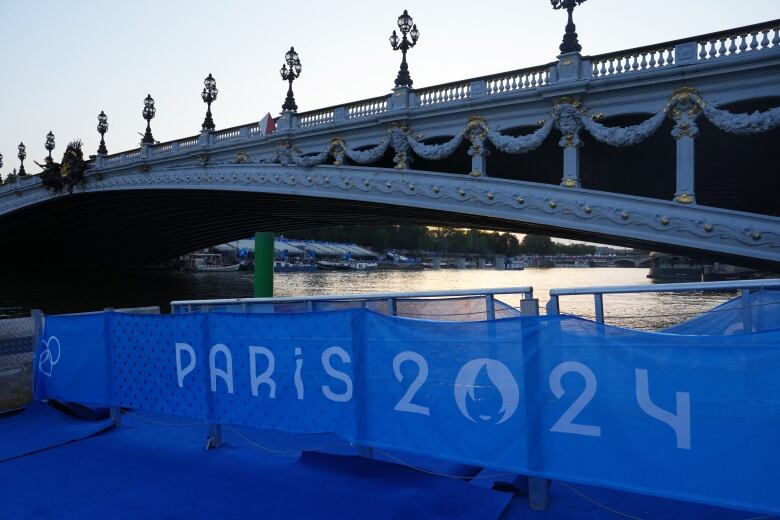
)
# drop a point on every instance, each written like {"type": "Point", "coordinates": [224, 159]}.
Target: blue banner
{"type": "Point", "coordinates": [689, 417]}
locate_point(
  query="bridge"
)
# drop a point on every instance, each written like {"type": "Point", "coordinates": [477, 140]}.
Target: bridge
{"type": "Point", "coordinates": [669, 147]}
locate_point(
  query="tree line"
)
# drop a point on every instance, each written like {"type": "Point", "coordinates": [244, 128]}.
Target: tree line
{"type": "Point", "coordinates": [422, 239]}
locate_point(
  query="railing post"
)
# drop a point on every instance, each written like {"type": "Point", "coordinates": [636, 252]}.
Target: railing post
{"type": "Point", "coordinates": [747, 314]}
{"type": "Point", "coordinates": [686, 53]}
{"type": "Point", "coordinates": [114, 411]}
{"type": "Point", "coordinates": [392, 306]}
{"type": "Point", "coordinates": [538, 493]}
{"type": "Point", "coordinates": [145, 151]}
{"type": "Point", "coordinates": [553, 308]}
{"type": "Point", "coordinates": [175, 147]}
{"type": "Point", "coordinates": [569, 67]}
{"type": "Point", "coordinates": [399, 100]}
{"type": "Point", "coordinates": [598, 300]}
{"type": "Point", "coordinates": [529, 307]}
{"type": "Point", "coordinates": [538, 488]}
{"type": "Point", "coordinates": [37, 319]}
{"type": "Point", "coordinates": [214, 439]}
{"type": "Point", "coordinates": [490, 307]}
{"type": "Point", "coordinates": [340, 114]}
{"type": "Point", "coordinates": [243, 132]}
{"type": "Point", "coordinates": [477, 88]}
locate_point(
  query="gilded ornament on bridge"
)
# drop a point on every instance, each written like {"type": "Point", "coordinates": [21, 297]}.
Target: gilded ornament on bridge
{"type": "Point", "coordinates": [664, 221]}
{"type": "Point", "coordinates": [241, 158]}
{"type": "Point", "coordinates": [568, 119]}
{"type": "Point", "coordinates": [708, 228]}
{"type": "Point", "coordinates": [569, 183]}
{"type": "Point", "coordinates": [624, 215]}
{"type": "Point", "coordinates": [552, 204]}
{"type": "Point", "coordinates": [475, 173]}
{"type": "Point", "coordinates": [65, 175]}
{"type": "Point", "coordinates": [520, 200]}
{"type": "Point", "coordinates": [202, 158]}
{"type": "Point", "coordinates": [684, 198]}
{"type": "Point", "coordinates": [587, 210]}
{"type": "Point", "coordinates": [755, 235]}
{"type": "Point", "coordinates": [337, 150]}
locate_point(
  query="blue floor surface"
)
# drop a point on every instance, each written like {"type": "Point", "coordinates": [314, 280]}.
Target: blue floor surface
{"type": "Point", "coordinates": [39, 427]}
{"type": "Point", "coordinates": [160, 470]}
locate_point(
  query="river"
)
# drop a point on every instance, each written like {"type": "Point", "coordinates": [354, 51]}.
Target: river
{"type": "Point", "coordinates": [67, 292]}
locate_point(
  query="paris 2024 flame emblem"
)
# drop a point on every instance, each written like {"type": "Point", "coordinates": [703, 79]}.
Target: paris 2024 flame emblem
{"type": "Point", "coordinates": [499, 376]}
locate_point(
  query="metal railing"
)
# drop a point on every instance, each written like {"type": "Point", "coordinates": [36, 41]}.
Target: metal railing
{"type": "Point", "coordinates": [744, 286]}
{"type": "Point", "coordinates": [267, 304]}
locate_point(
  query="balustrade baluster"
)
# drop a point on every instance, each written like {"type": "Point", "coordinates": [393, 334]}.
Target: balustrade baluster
{"type": "Point", "coordinates": [712, 52]}
{"type": "Point", "coordinates": [611, 69]}
{"type": "Point", "coordinates": [743, 46]}
{"type": "Point", "coordinates": [765, 39]}
{"type": "Point", "coordinates": [643, 63]}
{"type": "Point", "coordinates": [670, 56]}
{"type": "Point", "coordinates": [547, 77]}
{"type": "Point", "coordinates": [619, 66]}
{"type": "Point", "coordinates": [754, 41]}
{"type": "Point", "coordinates": [722, 48]}
{"type": "Point", "coordinates": [776, 39]}
{"type": "Point", "coordinates": [661, 61]}
{"type": "Point", "coordinates": [733, 46]}
{"type": "Point", "coordinates": [603, 68]}
{"type": "Point", "coordinates": [652, 62]}
{"type": "Point", "coordinates": [634, 62]}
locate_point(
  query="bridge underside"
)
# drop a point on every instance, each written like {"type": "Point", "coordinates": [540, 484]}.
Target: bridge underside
{"type": "Point", "coordinates": [143, 228]}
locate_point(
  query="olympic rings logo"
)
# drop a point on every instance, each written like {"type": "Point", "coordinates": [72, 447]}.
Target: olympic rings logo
{"type": "Point", "coordinates": [50, 355]}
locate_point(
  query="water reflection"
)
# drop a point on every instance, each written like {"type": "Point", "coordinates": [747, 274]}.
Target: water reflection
{"type": "Point", "coordinates": [56, 293]}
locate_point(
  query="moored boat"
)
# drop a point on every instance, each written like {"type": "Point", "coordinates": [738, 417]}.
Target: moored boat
{"type": "Point", "coordinates": [207, 263]}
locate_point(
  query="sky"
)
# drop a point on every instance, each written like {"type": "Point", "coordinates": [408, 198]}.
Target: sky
{"type": "Point", "coordinates": [63, 62]}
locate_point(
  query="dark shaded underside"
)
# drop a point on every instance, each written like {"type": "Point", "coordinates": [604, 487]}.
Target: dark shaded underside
{"type": "Point", "coordinates": [148, 227]}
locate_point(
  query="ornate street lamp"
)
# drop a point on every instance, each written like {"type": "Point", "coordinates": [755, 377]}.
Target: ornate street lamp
{"type": "Point", "coordinates": [102, 128]}
{"type": "Point", "coordinates": [570, 42]}
{"type": "Point", "coordinates": [407, 26]}
{"type": "Point", "coordinates": [22, 154]}
{"type": "Point", "coordinates": [148, 113]}
{"type": "Point", "coordinates": [49, 143]}
{"type": "Point", "coordinates": [209, 95]}
{"type": "Point", "coordinates": [290, 71]}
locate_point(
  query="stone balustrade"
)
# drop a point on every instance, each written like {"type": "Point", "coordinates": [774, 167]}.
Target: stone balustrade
{"type": "Point", "coordinates": [644, 61]}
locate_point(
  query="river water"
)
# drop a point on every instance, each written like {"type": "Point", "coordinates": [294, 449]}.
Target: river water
{"type": "Point", "coordinates": [68, 292]}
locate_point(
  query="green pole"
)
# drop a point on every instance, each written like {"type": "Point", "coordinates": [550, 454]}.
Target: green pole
{"type": "Point", "coordinates": [264, 265]}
